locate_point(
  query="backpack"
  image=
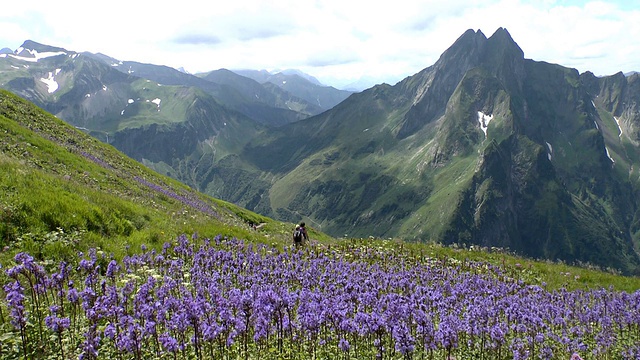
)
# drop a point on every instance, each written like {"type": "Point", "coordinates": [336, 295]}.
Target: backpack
{"type": "Point", "coordinates": [297, 235]}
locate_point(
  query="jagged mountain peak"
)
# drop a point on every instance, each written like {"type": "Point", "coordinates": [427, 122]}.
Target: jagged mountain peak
{"type": "Point", "coordinates": [501, 41]}
{"type": "Point", "coordinates": [502, 33]}
{"type": "Point", "coordinates": [468, 44]}
{"type": "Point", "coordinates": [473, 48]}
{"type": "Point", "coordinates": [499, 56]}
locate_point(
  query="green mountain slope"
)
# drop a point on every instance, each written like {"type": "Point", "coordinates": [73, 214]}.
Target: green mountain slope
{"type": "Point", "coordinates": [267, 106]}
{"type": "Point", "coordinates": [177, 130]}
{"type": "Point", "coordinates": [63, 191]}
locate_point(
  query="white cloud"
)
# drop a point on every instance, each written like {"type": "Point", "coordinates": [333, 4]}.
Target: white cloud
{"type": "Point", "coordinates": [331, 39]}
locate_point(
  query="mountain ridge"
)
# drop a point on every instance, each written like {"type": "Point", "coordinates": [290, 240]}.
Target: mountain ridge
{"type": "Point", "coordinates": [304, 85]}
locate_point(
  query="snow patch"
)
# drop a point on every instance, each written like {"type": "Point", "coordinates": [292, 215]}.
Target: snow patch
{"type": "Point", "coordinates": [284, 82]}
{"type": "Point", "coordinates": [104, 87]}
{"type": "Point", "coordinates": [122, 112]}
{"type": "Point", "coordinates": [87, 95]}
{"type": "Point", "coordinates": [550, 150]}
{"type": "Point", "coordinates": [51, 83]}
{"type": "Point", "coordinates": [592, 103]}
{"type": "Point", "coordinates": [365, 130]}
{"type": "Point", "coordinates": [130, 101]}
{"type": "Point", "coordinates": [157, 102]}
{"type": "Point", "coordinates": [596, 124]}
{"type": "Point", "coordinates": [15, 67]}
{"type": "Point", "coordinates": [619, 128]}
{"type": "Point", "coordinates": [35, 55]}
{"type": "Point", "coordinates": [609, 155]}
{"type": "Point", "coordinates": [484, 120]}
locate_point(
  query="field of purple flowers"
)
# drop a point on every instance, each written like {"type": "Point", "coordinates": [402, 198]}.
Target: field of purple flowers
{"type": "Point", "coordinates": [227, 299]}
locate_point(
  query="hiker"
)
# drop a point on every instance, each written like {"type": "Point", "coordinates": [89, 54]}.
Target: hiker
{"type": "Point", "coordinates": [300, 234]}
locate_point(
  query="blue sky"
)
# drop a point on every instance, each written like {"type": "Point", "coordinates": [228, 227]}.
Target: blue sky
{"type": "Point", "coordinates": [338, 41]}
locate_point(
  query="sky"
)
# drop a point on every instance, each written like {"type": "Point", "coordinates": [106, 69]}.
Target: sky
{"type": "Point", "coordinates": [337, 41]}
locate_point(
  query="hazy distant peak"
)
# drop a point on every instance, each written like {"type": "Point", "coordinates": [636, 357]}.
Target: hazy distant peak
{"type": "Point", "coordinates": [474, 47]}
{"type": "Point", "coordinates": [302, 75]}
{"type": "Point", "coordinates": [38, 47]}
{"type": "Point", "coordinates": [32, 51]}
{"type": "Point", "coordinates": [104, 58]}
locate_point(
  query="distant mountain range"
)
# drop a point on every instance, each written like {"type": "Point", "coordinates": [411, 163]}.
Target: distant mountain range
{"type": "Point", "coordinates": [484, 147]}
{"type": "Point", "coordinates": [296, 82]}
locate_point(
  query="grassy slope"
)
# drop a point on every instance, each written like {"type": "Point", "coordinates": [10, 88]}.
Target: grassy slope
{"type": "Point", "coordinates": [64, 192]}
{"type": "Point", "coordinates": [55, 177]}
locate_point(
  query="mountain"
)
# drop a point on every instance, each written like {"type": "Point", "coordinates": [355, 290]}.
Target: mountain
{"type": "Point", "coordinates": [301, 74]}
{"type": "Point", "coordinates": [300, 84]}
{"type": "Point", "coordinates": [138, 116]}
{"type": "Point", "coordinates": [260, 104]}
{"type": "Point", "coordinates": [275, 96]}
{"type": "Point", "coordinates": [484, 148]}
{"type": "Point", "coordinates": [361, 84]}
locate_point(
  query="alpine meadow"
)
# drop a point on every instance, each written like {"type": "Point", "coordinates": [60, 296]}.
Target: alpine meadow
{"type": "Point", "coordinates": [486, 207]}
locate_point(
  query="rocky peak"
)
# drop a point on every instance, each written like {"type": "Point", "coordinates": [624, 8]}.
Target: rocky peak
{"type": "Point", "coordinates": [31, 46]}
{"type": "Point", "coordinates": [498, 55]}
{"type": "Point", "coordinates": [464, 53]}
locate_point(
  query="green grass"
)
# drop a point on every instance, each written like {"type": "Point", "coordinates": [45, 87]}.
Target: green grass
{"type": "Point", "coordinates": [435, 214]}
{"type": "Point", "coordinates": [68, 185]}
{"type": "Point", "coordinates": [172, 107]}
{"type": "Point", "coordinates": [553, 275]}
